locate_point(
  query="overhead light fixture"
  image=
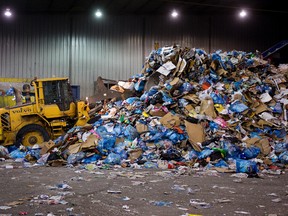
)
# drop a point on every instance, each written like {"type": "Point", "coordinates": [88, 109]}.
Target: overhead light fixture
{"type": "Point", "coordinates": [243, 13]}
{"type": "Point", "coordinates": [174, 14]}
{"type": "Point", "coordinates": [8, 12]}
{"type": "Point", "coordinates": [98, 13]}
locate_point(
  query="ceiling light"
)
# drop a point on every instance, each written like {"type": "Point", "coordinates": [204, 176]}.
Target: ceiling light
{"type": "Point", "coordinates": [8, 13]}
{"type": "Point", "coordinates": [98, 13]}
{"type": "Point", "coordinates": [174, 14]}
{"type": "Point", "coordinates": [243, 13]}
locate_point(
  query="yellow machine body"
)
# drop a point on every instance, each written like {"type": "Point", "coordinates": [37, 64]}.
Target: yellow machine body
{"type": "Point", "coordinates": [51, 112]}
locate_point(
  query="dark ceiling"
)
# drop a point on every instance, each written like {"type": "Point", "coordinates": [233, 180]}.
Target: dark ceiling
{"type": "Point", "coordinates": [143, 7]}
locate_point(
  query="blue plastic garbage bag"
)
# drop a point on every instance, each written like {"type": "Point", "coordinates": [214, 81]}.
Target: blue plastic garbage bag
{"type": "Point", "coordinates": [167, 99]}
{"type": "Point", "coordinates": [237, 85]}
{"type": "Point", "coordinates": [18, 154]}
{"type": "Point", "coordinates": [205, 153]}
{"type": "Point", "coordinates": [120, 150]}
{"type": "Point", "coordinates": [73, 158]}
{"type": "Point", "coordinates": [173, 136]}
{"type": "Point", "coordinates": [249, 62]}
{"type": "Point", "coordinates": [246, 166]}
{"type": "Point", "coordinates": [200, 52]}
{"type": "Point", "coordinates": [149, 70]}
{"type": "Point", "coordinates": [130, 132]}
{"type": "Point", "coordinates": [98, 123]}
{"type": "Point", "coordinates": [279, 133]}
{"type": "Point", "coordinates": [11, 148]}
{"type": "Point", "coordinates": [283, 157]}
{"type": "Point", "coordinates": [119, 147]}
{"type": "Point", "coordinates": [106, 144]}
{"type": "Point", "coordinates": [131, 100]}
{"type": "Point", "coordinates": [217, 98]}
{"type": "Point", "coordinates": [216, 56]}
{"type": "Point", "coordinates": [118, 130]}
{"type": "Point", "coordinates": [213, 126]}
{"type": "Point", "coordinates": [277, 108]}
{"type": "Point", "coordinates": [138, 104]}
{"type": "Point", "coordinates": [91, 159]}
{"type": "Point", "coordinates": [280, 147]}
{"type": "Point", "coordinates": [150, 164]}
{"type": "Point", "coordinates": [221, 163]}
{"type": "Point", "coordinates": [59, 139]}
{"type": "Point", "coordinates": [35, 152]}
{"type": "Point", "coordinates": [144, 96]}
{"type": "Point", "coordinates": [168, 86]}
{"type": "Point", "coordinates": [232, 150]}
{"type": "Point", "coordinates": [186, 87]}
{"type": "Point", "coordinates": [139, 85]}
{"type": "Point", "coordinates": [249, 153]}
{"type": "Point", "coordinates": [153, 90]}
{"type": "Point", "coordinates": [123, 154]}
{"type": "Point", "coordinates": [150, 156]}
{"type": "Point", "coordinates": [102, 131]}
{"type": "Point", "coordinates": [138, 111]}
{"type": "Point", "coordinates": [113, 159]}
{"type": "Point", "coordinates": [192, 155]}
{"type": "Point", "coordinates": [238, 107]}
{"type": "Point", "coordinates": [183, 102]}
{"type": "Point", "coordinates": [213, 76]}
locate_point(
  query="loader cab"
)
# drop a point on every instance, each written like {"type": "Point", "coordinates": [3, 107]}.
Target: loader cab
{"type": "Point", "coordinates": [57, 92]}
{"type": "Point", "coordinates": [53, 98]}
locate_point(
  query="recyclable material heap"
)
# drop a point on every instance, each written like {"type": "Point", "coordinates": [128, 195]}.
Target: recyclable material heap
{"type": "Point", "coordinates": [224, 111]}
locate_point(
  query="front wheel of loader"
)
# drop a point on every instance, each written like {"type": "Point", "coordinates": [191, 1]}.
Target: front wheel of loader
{"type": "Point", "coordinates": [31, 134]}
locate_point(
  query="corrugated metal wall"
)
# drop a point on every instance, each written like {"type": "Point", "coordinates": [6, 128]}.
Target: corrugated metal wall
{"type": "Point", "coordinates": [84, 48]}
{"type": "Point", "coordinates": [110, 48]}
{"type": "Point", "coordinates": [34, 46]}
{"type": "Point", "coordinates": [189, 31]}
{"type": "Point", "coordinates": [254, 33]}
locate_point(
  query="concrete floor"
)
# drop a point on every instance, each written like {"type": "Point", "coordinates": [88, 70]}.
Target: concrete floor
{"type": "Point", "coordinates": [126, 191]}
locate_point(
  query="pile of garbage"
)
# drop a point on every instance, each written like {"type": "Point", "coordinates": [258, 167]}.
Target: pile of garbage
{"type": "Point", "coordinates": [225, 111]}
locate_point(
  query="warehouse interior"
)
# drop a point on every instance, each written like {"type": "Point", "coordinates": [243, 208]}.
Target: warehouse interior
{"type": "Point", "coordinates": [64, 38]}
{"type": "Point", "coordinates": [143, 107]}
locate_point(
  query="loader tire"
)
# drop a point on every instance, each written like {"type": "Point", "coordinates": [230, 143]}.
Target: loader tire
{"type": "Point", "coordinates": [31, 134]}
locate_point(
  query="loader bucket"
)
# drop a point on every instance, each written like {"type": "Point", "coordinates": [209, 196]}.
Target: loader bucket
{"type": "Point", "coordinates": [102, 91]}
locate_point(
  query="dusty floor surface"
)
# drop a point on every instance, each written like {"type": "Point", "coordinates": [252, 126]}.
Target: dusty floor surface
{"type": "Point", "coordinates": [125, 191]}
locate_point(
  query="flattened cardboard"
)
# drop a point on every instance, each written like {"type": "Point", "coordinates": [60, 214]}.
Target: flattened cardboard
{"type": "Point", "coordinates": [251, 141]}
{"type": "Point", "coordinates": [224, 170]}
{"type": "Point", "coordinates": [141, 127]}
{"type": "Point", "coordinates": [264, 146]}
{"type": "Point", "coordinates": [117, 88]}
{"type": "Point", "coordinates": [192, 97]}
{"type": "Point", "coordinates": [221, 72]}
{"type": "Point", "coordinates": [190, 110]}
{"type": "Point", "coordinates": [174, 81]}
{"type": "Point", "coordinates": [261, 108]}
{"type": "Point", "coordinates": [195, 132]}
{"type": "Point", "coordinates": [75, 148]}
{"type": "Point", "coordinates": [46, 146]}
{"type": "Point", "coordinates": [135, 153]}
{"type": "Point", "coordinates": [119, 140]}
{"type": "Point", "coordinates": [157, 111]}
{"type": "Point", "coordinates": [90, 142]}
{"type": "Point", "coordinates": [170, 120]}
{"type": "Point", "coordinates": [207, 108]}
{"type": "Point", "coordinates": [160, 113]}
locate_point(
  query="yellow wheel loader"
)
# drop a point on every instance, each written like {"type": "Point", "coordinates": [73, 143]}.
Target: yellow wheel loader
{"type": "Point", "coordinates": [50, 114]}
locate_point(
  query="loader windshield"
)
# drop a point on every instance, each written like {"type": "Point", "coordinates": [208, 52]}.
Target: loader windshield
{"type": "Point", "coordinates": [58, 92]}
